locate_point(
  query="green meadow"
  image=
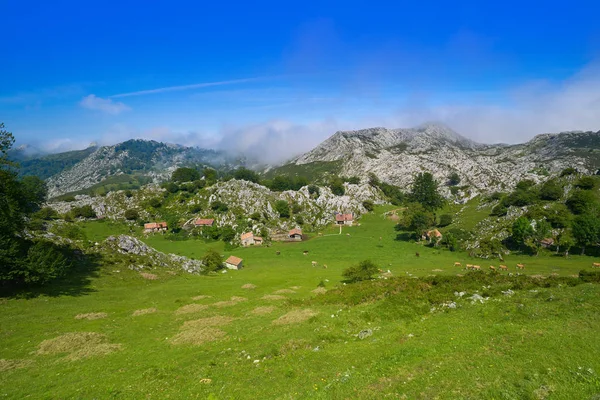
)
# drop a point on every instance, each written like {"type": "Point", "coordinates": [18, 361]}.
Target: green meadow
{"type": "Point", "coordinates": [283, 329]}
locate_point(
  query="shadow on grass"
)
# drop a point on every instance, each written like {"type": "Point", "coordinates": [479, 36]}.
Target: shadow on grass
{"type": "Point", "coordinates": [75, 283]}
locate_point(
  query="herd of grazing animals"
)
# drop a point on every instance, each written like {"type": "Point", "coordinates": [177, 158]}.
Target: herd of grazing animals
{"type": "Point", "coordinates": [493, 268]}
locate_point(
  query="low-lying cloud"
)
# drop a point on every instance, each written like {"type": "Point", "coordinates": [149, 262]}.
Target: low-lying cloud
{"type": "Point", "coordinates": [92, 102]}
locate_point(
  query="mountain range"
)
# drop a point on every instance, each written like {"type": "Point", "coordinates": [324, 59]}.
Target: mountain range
{"type": "Point", "coordinates": [393, 155]}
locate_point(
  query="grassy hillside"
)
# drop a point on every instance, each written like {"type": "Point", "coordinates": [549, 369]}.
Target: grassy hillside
{"type": "Point", "coordinates": [46, 166]}
{"type": "Point", "coordinates": [187, 336]}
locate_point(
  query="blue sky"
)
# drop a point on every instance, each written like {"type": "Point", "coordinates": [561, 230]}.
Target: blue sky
{"type": "Point", "coordinates": [283, 76]}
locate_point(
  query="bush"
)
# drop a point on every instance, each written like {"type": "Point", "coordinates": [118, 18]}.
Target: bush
{"type": "Point", "coordinates": [46, 213]}
{"type": "Point", "coordinates": [581, 201]}
{"type": "Point", "coordinates": [83, 212]}
{"type": "Point", "coordinates": [155, 202]}
{"type": "Point", "coordinates": [283, 208]}
{"type": "Point", "coordinates": [131, 214]}
{"type": "Point", "coordinates": [525, 184]}
{"type": "Point", "coordinates": [227, 234]}
{"type": "Point", "coordinates": [454, 179]}
{"type": "Point", "coordinates": [45, 261]}
{"type": "Point", "coordinates": [246, 175]}
{"type": "Point", "coordinates": [445, 220]}
{"type": "Point", "coordinates": [368, 205]}
{"type": "Point", "coordinates": [219, 206]}
{"type": "Point", "coordinates": [586, 183]}
{"type": "Point", "coordinates": [337, 187]}
{"type": "Point", "coordinates": [255, 216]}
{"type": "Point", "coordinates": [551, 190]}
{"type": "Point", "coordinates": [314, 189]}
{"type": "Point", "coordinates": [185, 175]}
{"type": "Point", "coordinates": [362, 272]}
{"type": "Point", "coordinates": [354, 180]}
{"type": "Point", "coordinates": [212, 261]}
{"type": "Point", "coordinates": [69, 231]}
{"type": "Point", "coordinates": [568, 171]}
{"type": "Point", "coordinates": [299, 220]}
{"type": "Point", "coordinates": [195, 208]}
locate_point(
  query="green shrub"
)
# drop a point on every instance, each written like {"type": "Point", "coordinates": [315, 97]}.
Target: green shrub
{"type": "Point", "coordinates": [362, 272]}
{"type": "Point", "coordinates": [46, 213]}
{"type": "Point", "coordinates": [313, 189]}
{"type": "Point", "coordinates": [155, 202]}
{"type": "Point", "coordinates": [368, 205]}
{"type": "Point", "coordinates": [219, 206]}
{"type": "Point", "coordinates": [185, 175]}
{"type": "Point", "coordinates": [283, 208]}
{"type": "Point", "coordinates": [83, 212]}
{"type": "Point", "coordinates": [131, 214]}
{"type": "Point", "coordinates": [445, 220]}
{"type": "Point", "coordinates": [586, 183]}
{"type": "Point", "coordinates": [212, 261]}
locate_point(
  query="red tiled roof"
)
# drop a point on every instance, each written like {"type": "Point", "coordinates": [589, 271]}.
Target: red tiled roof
{"type": "Point", "coordinates": [295, 231]}
{"type": "Point", "coordinates": [234, 260]}
{"type": "Point", "coordinates": [343, 217]}
{"type": "Point", "coordinates": [155, 225]}
{"type": "Point", "coordinates": [258, 238]}
{"type": "Point", "coordinates": [204, 222]}
{"type": "Point", "coordinates": [246, 235]}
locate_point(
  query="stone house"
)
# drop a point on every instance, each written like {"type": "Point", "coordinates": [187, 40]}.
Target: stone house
{"type": "Point", "coordinates": [247, 239]}
{"type": "Point", "coordinates": [204, 222]}
{"type": "Point", "coordinates": [295, 234]}
{"type": "Point", "coordinates": [344, 219]}
{"type": "Point", "coordinates": [234, 262]}
{"type": "Point", "coordinates": [152, 227]}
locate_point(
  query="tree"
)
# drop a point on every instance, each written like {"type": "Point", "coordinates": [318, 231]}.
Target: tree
{"type": "Point", "coordinates": [559, 216]}
{"type": "Point", "coordinates": [283, 208]}
{"type": "Point", "coordinates": [227, 234]}
{"type": "Point", "coordinates": [35, 192]}
{"type": "Point", "coordinates": [362, 272]}
{"type": "Point", "coordinates": [184, 174]}
{"type": "Point", "coordinates": [445, 220]}
{"type": "Point", "coordinates": [131, 214]}
{"type": "Point", "coordinates": [154, 202]}
{"type": "Point", "coordinates": [521, 230]}
{"type": "Point", "coordinates": [542, 230]}
{"type": "Point", "coordinates": [425, 192]}
{"type": "Point", "coordinates": [337, 186]}
{"type": "Point", "coordinates": [85, 211]}
{"type": "Point", "coordinates": [45, 261]}
{"type": "Point", "coordinates": [586, 230]}
{"type": "Point", "coordinates": [581, 201]}
{"type": "Point", "coordinates": [245, 174]}
{"type": "Point", "coordinates": [586, 183]}
{"type": "Point", "coordinates": [449, 240]}
{"type": "Point", "coordinates": [568, 171]}
{"type": "Point", "coordinates": [368, 205]}
{"type": "Point", "coordinates": [354, 180]}
{"type": "Point", "coordinates": [551, 190]}
{"type": "Point", "coordinates": [565, 241]}
{"type": "Point", "coordinates": [525, 184]}
{"type": "Point", "coordinates": [314, 189]}
{"type": "Point", "coordinates": [219, 206]}
{"type": "Point", "coordinates": [454, 179]}
{"type": "Point", "coordinates": [46, 213]}
{"type": "Point", "coordinates": [212, 261]}
{"type": "Point", "coordinates": [210, 176]}
{"type": "Point", "coordinates": [420, 221]}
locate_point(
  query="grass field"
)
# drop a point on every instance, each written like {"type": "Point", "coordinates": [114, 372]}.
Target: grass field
{"type": "Point", "coordinates": [186, 336]}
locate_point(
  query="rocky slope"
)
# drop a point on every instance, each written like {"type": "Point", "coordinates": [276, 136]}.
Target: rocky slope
{"type": "Point", "coordinates": [146, 158]}
{"type": "Point", "coordinates": [396, 155]}
{"type": "Point", "coordinates": [242, 198]}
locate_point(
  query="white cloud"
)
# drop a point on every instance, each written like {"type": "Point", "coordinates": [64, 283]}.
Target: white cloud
{"type": "Point", "coordinates": [92, 102]}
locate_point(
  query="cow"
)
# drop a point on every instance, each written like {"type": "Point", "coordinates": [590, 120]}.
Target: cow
{"type": "Point", "coordinates": [520, 266]}
{"type": "Point", "coordinates": [417, 254]}
{"type": "Point", "coordinates": [503, 267]}
{"type": "Point", "coordinates": [324, 266]}
{"type": "Point", "coordinates": [476, 267]}
{"type": "Point", "coordinates": [492, 268]}
{"type": "Point", "coordinates": [314, 263]}
{"type": "Point", "coordinates": [595, 265]}
{"type": "Point", "coordinates": [469, 266]}
{"type": "Point", "coordinates": [457, 264]}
